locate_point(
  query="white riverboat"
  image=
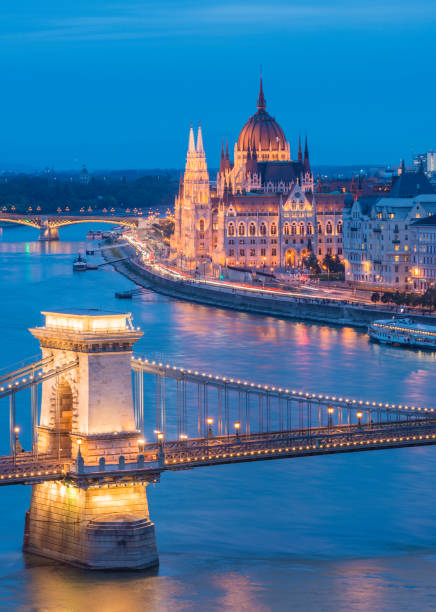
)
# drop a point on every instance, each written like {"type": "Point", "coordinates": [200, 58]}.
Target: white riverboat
{"type": "Point", "coordinates": [403, 331]}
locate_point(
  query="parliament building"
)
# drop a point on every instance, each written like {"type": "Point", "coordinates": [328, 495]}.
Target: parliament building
{"type": "Point", "coordinates": [260, 213]}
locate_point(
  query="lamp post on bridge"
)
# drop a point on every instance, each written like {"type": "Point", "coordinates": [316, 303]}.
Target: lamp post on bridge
{"type": "Point", "coordinates": [359, 419]}
{"type": "Point", "coordinates": [237, 425]}
{"type": "Point", "coordinates": [330, 411]}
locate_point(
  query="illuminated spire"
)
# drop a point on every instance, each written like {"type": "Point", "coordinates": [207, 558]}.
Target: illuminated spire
{"type": "Point", "coordinates": [261, 102]}
{"type": "Point", "coordinates": [300, 153]}
{"type": "Point", "coordinates": [199, 140]}
{"type": "Point", "coordinates": [191, 146]}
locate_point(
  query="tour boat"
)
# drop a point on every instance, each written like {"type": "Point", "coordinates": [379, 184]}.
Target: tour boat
{"type": "Point", "coordinates": [403, 331]}
{"type": "Point", "coordinates": [79, 264]}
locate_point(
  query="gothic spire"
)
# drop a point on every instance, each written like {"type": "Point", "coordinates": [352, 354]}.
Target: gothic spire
{"type": "Point", "coordinates": [227, 150]}
{"type": "Point", "coordinates": [300, 153]}
{"type": "Point", "coordinates": [306, 157]}
{"type": "Point", "coordinates": [199, 140]}
{"type": "Point", "coordinates": [261, 102]}
{"type": "Point", "coordinates": [222, 156]}
{"type": "Point", "coordinates": [191, 146]}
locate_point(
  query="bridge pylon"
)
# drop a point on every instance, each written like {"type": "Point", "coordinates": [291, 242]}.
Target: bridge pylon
{"type": "Point", "coordinates": [87, 416]}
{"type": "Point", "coordinates": [47, 232]}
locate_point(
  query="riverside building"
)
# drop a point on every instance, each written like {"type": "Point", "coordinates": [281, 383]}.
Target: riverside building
{"type": "Point", "coordinates": [261, 211]}
{"type": "Point", "coordinates": [378, 237]}
{"type": "Point", "coordinates": [424, 253]}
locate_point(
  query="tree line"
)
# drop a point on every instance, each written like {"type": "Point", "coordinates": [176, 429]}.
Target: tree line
{"type": "Point", "coordinates": [48, 193]}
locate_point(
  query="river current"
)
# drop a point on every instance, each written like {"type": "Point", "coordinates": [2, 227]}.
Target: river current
{"type": "Point", "coordinates": [346, 532]}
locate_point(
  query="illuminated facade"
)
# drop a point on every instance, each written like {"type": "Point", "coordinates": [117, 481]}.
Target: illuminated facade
{"type": "Point", "coordinates": [379, 242]}
{"type": "Point", "coordinates": [260, 213]}
{"type": "Point", "coordinates": [424, 253]}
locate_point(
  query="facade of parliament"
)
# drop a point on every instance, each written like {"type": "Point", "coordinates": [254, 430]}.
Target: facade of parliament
{"type": "Point", "coordinates": [261, 213]}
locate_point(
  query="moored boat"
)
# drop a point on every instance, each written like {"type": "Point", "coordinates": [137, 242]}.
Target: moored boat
{"type": "Point", "coordinates": [79, 264]}
{"type": "Point", "coordinates": [403, 331]}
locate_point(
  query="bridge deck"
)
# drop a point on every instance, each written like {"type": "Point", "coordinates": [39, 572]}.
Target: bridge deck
{"type": "Point", "coordinates": [188, 454]}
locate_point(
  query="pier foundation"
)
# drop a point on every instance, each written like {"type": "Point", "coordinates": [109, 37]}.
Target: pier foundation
{"type": "Point", "coordinates": [87, 420]}
{"type": "Point", "coordinates": [47, 233]}
{"type": "Point", "coordinates": [104, 527]}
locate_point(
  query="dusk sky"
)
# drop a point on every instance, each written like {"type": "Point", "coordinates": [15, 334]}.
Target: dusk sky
{"type": "Point", "coordinates": [116, 84]}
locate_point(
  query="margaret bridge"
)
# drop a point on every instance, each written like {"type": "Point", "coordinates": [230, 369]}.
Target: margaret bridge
{"type": "Point", "coordinates": [49, 225]}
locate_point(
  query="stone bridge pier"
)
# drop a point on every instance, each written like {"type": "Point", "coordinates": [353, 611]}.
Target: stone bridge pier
{"type": "Point", "coordinates": [47, 232]}
{"type": "Point", "coordinates": [88, 412]}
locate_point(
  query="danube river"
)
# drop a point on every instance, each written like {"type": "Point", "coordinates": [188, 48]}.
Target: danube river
{"type": "Point", "coordinates": [345, 532]}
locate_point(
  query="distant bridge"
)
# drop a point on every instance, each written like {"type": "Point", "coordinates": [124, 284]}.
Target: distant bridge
{"type": "Point", "coordinates": [50, 224]}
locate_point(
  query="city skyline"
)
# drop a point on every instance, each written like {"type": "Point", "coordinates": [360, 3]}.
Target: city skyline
{"type": "Point", "coordinates": [125, 81]}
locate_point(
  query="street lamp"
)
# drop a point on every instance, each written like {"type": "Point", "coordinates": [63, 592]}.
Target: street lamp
{"type": "Point", "coordinates": [330, 411]}
{"type": "Point", "coordinates": [237, 425]}
{"type": "Point", "coordinates": [17, 446]}
{"type": "Point", "coordinates": [359, 418]}
{"type": "Point", "coordinates": [141, 444]}
{"type": "Point", "coordinates": [209, 422]}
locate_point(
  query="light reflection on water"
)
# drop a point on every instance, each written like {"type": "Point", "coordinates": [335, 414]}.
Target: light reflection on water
{"type": "Point", "coordinates": [351, 532]}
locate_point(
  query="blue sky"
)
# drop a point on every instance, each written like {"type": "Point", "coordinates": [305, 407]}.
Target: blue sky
{"type": "Point", "coordinates": [116, 84]}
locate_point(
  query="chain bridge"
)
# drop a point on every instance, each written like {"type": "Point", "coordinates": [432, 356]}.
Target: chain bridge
{"type": "Point", "coordinates": [96, 424]}
{"type": "Point", "coordinates": [49, 224]}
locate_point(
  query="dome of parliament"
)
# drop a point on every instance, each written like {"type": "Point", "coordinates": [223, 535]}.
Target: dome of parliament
{"type": "Point", "coordinates": [261, 131]}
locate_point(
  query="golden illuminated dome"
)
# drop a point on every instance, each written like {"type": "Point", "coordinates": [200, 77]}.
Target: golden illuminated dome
{"type": "Point", "coordinates": [261, 131]}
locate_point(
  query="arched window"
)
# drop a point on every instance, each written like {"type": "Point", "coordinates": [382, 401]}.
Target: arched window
{"type": "Point", "coordinates": [339, 227]}
{"type": "Point", "coordinates": [252, 229]}
{"type": "Point", "coordinates": [262, 229]}
{"type": "Point", "coordinates": [201, 225]}
{"type": "Point", "coordinates": [301, 229]}
{"type": "Point", "coordinates": [231, 229]}
{"type": "Point", "coordinates": [329, 228]}
{"type": "Point", "coordinates": [294, 229]}
{"type": "Point", "coordinates": [286, 229]}
{"type": "Point", "coordinates": [241, 229]}
{"type": "Point", "coordinates": [309, 228]}
{"type": "Point", "coordinates": [273, 229]}
{"type": "Point", "coordinates": [319, 228]}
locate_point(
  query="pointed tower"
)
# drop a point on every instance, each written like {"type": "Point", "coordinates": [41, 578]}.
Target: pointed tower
{"type": "Point", "coordinates": [193, 210]}
{"type": "Point", "coordinates": [300, 153]}
{"type": "Point", "coordinates": [261, 102]}
{"type": "Point", "coordinates": [222, 158]}
{"type": "Point", "coordinates": [306, 157]}
{"type": "Point", "coordinates": [191, 144]}
{"type": "Point", "coordinates": [200, 149]}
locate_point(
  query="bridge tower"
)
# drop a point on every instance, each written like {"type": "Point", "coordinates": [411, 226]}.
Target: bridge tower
{"type": "Point", "coordinates": [87, 419]}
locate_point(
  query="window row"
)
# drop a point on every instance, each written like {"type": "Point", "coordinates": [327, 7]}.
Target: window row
{"type": "Point", "coordinates": [289, 229]}
{"type": "Point", "coordinates": [252, 252]}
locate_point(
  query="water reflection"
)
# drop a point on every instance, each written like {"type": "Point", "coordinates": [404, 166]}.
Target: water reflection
{"type": "Point", "coordinates": [329, 533]}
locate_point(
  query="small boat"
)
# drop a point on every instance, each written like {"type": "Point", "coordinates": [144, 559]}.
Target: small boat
{"type": "Point", "coordinates": [403, 331]}
{"type": "Point", "coordinates": [79, 264]}
{"type": "Point", "coordinates": [127, 295]}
